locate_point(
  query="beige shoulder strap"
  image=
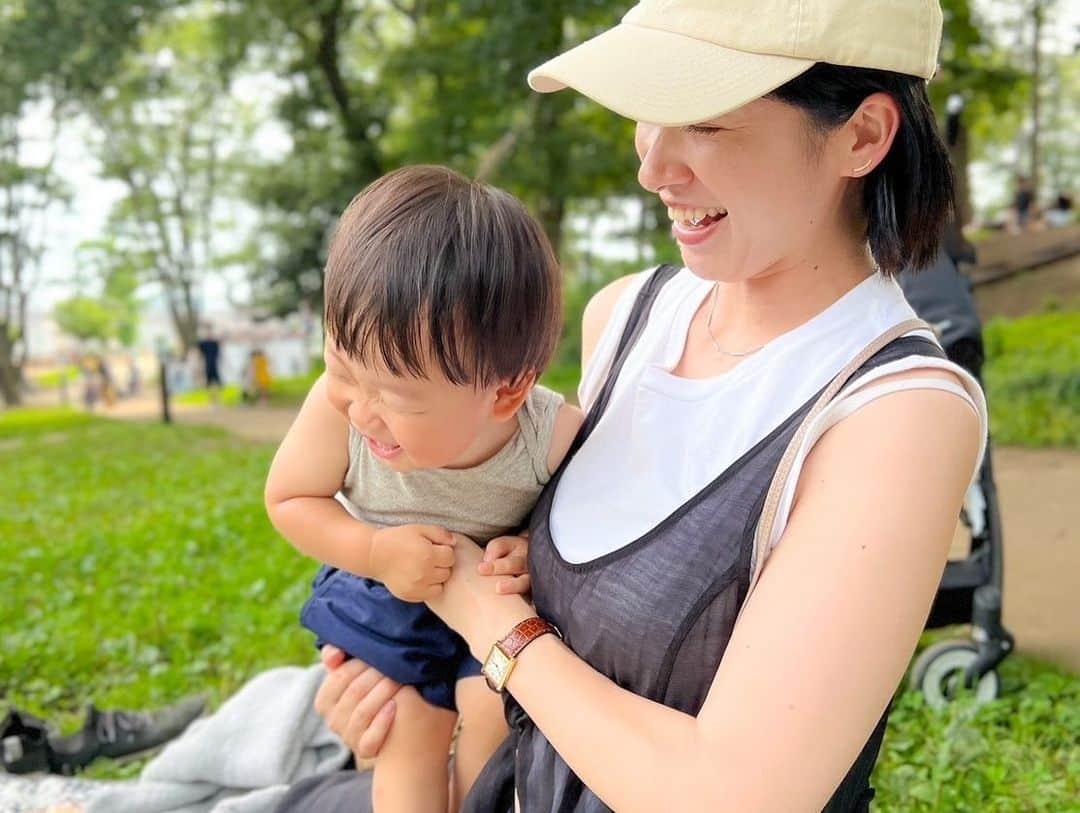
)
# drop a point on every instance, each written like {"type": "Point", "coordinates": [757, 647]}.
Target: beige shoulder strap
{"type": "Point", "coordinates": [772, 500]}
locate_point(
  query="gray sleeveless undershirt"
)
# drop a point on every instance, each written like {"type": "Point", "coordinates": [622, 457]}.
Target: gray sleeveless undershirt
{"type": "Point", "coordinates": [481, 502]}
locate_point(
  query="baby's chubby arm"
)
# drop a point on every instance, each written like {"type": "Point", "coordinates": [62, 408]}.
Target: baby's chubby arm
{"type": "Point", "coordinates": [308, 470]}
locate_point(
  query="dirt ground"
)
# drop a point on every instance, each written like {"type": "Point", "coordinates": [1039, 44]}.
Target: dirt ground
{"type": "Point", "coordinates": [1038, 489]}
{"type": "Point", "coordinates": [1030, 291]}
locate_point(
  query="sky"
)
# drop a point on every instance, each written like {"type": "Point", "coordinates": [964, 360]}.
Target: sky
{"type": "Point", "coordinates": [93, 197]}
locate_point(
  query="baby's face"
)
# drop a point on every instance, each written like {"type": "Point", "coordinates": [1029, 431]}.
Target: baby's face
{"type": "Point", "coordinates": [409, 423]}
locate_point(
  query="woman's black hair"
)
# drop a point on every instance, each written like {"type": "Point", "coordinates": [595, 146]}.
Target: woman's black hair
{"type": "Point", "coordinates": [908, 197]}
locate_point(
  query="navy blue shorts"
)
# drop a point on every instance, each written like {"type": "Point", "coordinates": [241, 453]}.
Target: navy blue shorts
{"type": "Point", "coordinates": [403, 640]}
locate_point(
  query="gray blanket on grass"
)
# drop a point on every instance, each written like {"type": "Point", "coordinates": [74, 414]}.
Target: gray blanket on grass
{"type": "Point", "coordinates": [241, 759]}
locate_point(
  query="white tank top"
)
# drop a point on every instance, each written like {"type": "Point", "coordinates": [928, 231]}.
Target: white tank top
{"type": "Point", "coordinates": [663, 438]}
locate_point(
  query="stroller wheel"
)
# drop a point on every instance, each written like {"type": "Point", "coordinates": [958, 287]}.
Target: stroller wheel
{"type": "Point", "coordinates": [939, 670]}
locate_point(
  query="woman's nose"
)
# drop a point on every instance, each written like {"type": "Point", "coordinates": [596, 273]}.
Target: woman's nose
{"type": "Point", "coordinates": [662, 163]}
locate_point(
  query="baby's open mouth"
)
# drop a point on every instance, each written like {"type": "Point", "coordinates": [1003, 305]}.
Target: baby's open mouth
{"type": "Point", "coordinates": [383, 450]}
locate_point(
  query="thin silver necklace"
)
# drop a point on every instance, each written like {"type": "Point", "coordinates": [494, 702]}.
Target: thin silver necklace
{"type": "Point", "coordinates": [715, 343]}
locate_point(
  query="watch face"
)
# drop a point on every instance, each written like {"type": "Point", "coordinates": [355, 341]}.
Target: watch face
{"type": "Point", "coordinates": [496, 667]}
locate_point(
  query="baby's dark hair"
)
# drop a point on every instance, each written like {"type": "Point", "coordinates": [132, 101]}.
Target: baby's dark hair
{"type": "Point", "coordinates": [429, 266]}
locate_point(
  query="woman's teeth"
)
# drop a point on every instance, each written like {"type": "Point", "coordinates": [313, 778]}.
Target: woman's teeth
{"type": "Point", "coordinates": [694, 217]}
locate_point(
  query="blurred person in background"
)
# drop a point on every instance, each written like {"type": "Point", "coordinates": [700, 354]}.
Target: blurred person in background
{"type": "Point", "coordinates": [210, 350]}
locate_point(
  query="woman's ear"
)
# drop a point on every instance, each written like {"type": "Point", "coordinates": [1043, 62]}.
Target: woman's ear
{"type": "Point", "coordinates": [509, 396]}
{"type": "Point", "coordinates": [869, 134]}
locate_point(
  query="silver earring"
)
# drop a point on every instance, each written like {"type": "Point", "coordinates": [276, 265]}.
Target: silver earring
{"type": "Point", "coordinates": [863, 167]}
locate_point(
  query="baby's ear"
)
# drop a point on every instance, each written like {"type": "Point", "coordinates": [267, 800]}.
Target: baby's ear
{"type": "Point", "coordinates": [510, 395]}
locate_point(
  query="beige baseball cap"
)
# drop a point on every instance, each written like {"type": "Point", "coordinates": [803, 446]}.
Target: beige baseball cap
{"type": "Point", "coordinates": [675, 62]}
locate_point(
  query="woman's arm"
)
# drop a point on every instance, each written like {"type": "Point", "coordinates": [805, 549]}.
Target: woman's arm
{"type": "Point", "coordinates": [598, 313]}
{"type": "Point", "coordinates": [816, 654]}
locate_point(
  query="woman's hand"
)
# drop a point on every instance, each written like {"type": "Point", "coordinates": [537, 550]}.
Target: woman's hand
{"type": "Point", "coordinates": [470, 604]}
{"type": "Point", "coordinates": [356, 701]}
{"type": "Point", "coordinates": [508, 556]}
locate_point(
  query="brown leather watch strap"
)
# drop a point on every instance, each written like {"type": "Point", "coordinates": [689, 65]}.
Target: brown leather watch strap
{"type": "Point", "coordinates": [524, 633]}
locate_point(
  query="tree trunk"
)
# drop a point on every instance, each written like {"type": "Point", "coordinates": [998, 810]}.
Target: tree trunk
{"type": "Point", "coordinates": [959, 156]}
{"type": "Point", "coordinates": [551, 206]}
{"type": "Point", "coordinates": [355, 122]}
{"type": "Point", "coordinates": [1035, 114]}
{"type": "Point", "coordinates": [10, 374]}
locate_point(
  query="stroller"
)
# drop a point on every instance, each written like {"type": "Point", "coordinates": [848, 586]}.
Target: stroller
{"type": "Point", "coordinates": [970, 590]}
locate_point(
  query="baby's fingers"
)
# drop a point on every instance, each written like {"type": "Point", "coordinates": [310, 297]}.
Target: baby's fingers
{"type": "Point", "coordinates": [440, 536]}
{"type": "Point", "coordinates": [440, 575]}
{"type": "Point", "coordinates": [442, 556]}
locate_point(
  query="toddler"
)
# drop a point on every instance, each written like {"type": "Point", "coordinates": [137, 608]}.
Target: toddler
{"type": "Point", "coordinates": [443, 305]}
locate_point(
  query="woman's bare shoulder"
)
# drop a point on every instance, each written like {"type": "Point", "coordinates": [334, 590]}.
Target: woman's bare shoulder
{"type": "Point", "coordinates": [598, 312]}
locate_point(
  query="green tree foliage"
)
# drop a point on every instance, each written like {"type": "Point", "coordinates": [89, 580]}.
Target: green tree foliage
{"type": "Point", "coordinates": [86, 318]}
{"type": "Point", "coordinates": [53, 52]}
{"type": "Point", "coordinates": [175, 136]}
{"type": "Point", "coordinates": [373, 86]}
{"type": "Point", "coordinates": [117, 274]}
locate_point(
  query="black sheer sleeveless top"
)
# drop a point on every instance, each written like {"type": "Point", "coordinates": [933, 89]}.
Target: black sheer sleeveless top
{"type": "Point", "coordinates": [654, 615]}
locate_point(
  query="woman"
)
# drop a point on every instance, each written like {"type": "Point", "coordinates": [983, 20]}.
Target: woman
{"type": "Point", "coordinates": [722, 475]}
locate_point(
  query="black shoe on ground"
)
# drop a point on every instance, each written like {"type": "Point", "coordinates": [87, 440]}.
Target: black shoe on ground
{"type": "Point", "coordinates": [24, 744]}
{"type": "Point", "coordinates": [118, 734]}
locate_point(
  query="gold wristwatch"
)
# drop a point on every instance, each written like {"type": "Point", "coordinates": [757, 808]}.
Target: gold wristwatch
{"type": "Point", "coordinates": [503, 655]}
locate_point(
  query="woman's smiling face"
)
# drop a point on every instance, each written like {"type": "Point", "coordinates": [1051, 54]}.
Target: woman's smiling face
{"type": "Point", "coordinates": [761, 191]}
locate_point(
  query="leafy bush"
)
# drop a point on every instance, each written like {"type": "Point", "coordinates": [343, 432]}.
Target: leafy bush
{"type": "Point", "coordinates": [1032, 378]}
{"type": "Point", "coordinates": [1020, 752]}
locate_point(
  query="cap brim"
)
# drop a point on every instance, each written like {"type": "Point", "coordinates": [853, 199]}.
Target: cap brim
{"type": "Point", "coordinates": [664, 78]}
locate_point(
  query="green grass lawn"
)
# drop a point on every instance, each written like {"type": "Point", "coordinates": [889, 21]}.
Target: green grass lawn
{"type": "Point", "coordinates": [137, 565]}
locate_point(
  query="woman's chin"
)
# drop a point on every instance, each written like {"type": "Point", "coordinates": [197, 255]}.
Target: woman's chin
{"type": "Point", "coordinates": [723, 267]}
{"type": "Point", "coordinates": [708, 265]}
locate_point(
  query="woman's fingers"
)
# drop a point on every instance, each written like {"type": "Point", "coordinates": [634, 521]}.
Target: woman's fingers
{"type": "Point", "coordinates": [335, 683]}
{"type": "Point", "coordinates": [366, 726]}
{"type": "Point", "coordinates": [497, 548]}
{"type": "Point", "coordinates": [344, 685]}
{"type": "Point", "coordinates": [513, 565]}
{"type": "Point", "coordinates": [331, 656]}
{"type": "Point", "coordinates": [505, 555]}
{"type": "Point", "coordinates": [503, 546]}
{"type": "Point", "coordinates": [514, 584]}
{"type": "Point", "coordinates": [370, 739]}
